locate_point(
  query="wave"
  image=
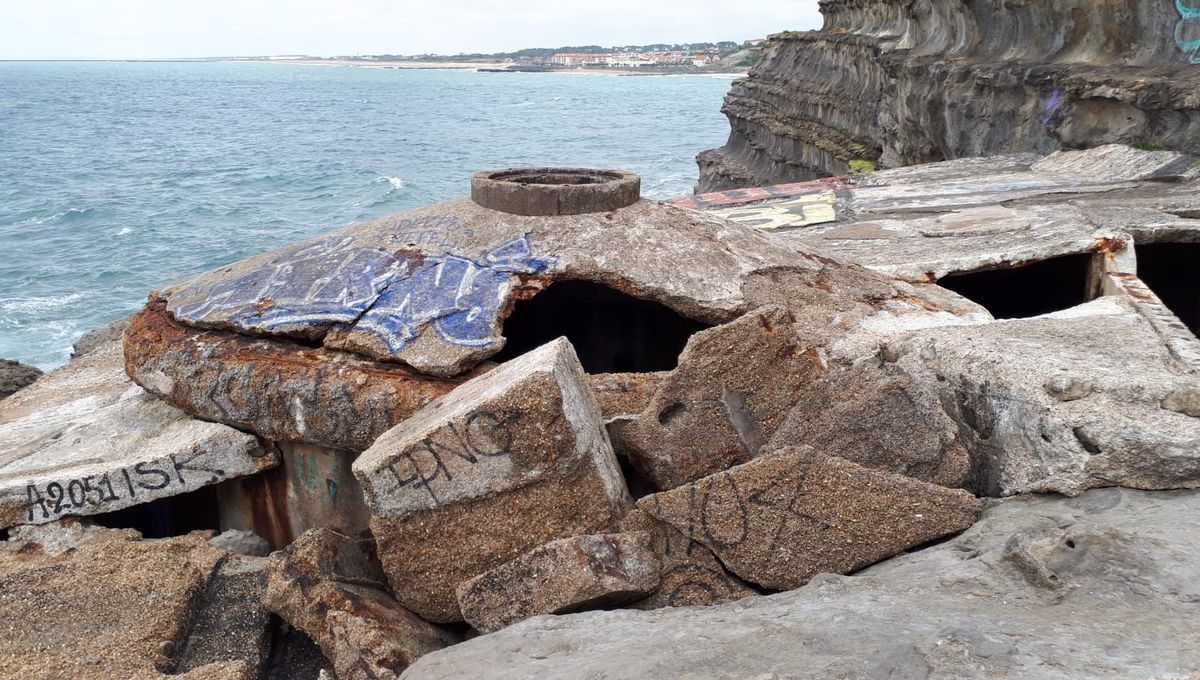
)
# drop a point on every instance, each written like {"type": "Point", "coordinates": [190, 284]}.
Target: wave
{"type": "Point", "coordinates": [38, 304]}
{"type": "Point", "coordinates": [396, 182]}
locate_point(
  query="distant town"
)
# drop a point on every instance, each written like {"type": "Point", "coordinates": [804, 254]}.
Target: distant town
{"type": "Point", "coordinates": [658, 58]}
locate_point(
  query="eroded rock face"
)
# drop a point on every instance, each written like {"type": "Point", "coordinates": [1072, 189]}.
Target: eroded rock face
{"type": "Point", "coordinates": [331, 587]}
{"type": "Point", "coordinates": [781, 519]}
{"type": "Point", "coordinates": [115, 606]}
{"type": "Point", "coordinates": [896, 84]}
{"type": "Point", "coordinates": [570, 574]}
{"type": "Point", "coordinates": [1126, 571]}
{"type": "Point", "coordinates": [86, 440]}
{"type": "Point", "coordinates": [14, 376]}
{"type": "Point", "coordinates": [504, 463]}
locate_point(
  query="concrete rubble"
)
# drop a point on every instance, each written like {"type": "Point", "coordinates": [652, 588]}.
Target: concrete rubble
{"type": "Point", "coordinates": [495, 415]}
{"type": "Point", "coordinates": [780, 519]}
{"type": "Point", "coordinates": [580, 572]}
{"type": "Point", "coordinates": [330, 586]}
{"type": "Point", "coordinates": [504, 463]}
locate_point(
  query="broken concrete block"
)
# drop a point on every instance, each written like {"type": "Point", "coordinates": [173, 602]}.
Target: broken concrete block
{"type": "Point", "coordinates": [691, 574]}
{"type": "Point", "coordinates": [784, 517]}
{"type": "Point", "coordinates": [623, 395]}
{"type": "Point", "coordinates": [567, 575]}
{"type": "Point", "coordinates": [330, 586]}
{"type": "Point", "coordinates": [878, 417]}
{"type": "Point", "coordinates": [508, 461]}
{"type": "Point", "coordinates": [279, 390]}
{"type": "Point", "coordinates": [1184, 400]}
{"type": "Point", "coordinates": [733, 388]}
{"type": "Point", "coordinates": [242, 543]}
{"type": "Point", "coordinates": [125, 607]}
{"type": "Point", "coordinates": [85, 440]}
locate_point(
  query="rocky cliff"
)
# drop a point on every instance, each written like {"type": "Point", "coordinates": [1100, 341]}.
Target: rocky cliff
{"type": "Point", "coordinates": [900, 82]}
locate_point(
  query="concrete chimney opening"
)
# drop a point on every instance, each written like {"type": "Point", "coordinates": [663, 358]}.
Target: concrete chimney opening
{"type": "Point", "coordinates": [544, 192]}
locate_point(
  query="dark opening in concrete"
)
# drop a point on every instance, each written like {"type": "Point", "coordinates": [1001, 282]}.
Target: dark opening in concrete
{"type": "Point", "coordinates": [165, 517]}
{"type": "Point", "coordinates": [1030, 290]}
{"type": "Point", "coordinates": [1172, 271]}
{"type": "Point", "coordinates": [612, 332]}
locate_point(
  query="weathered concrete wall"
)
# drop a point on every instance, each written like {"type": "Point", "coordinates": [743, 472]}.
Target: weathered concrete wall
{"type": "Point", "coordinates": [899, 82]}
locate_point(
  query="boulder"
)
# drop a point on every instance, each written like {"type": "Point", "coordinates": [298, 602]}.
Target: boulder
{"type": "Point", "coordinates": [85, 440]}
{"type": "Point", "coordinates": [691, 574]}
{"type": "Point", "coordinates": [506, 462]}
{"type": "Point", "coordinates": [116, 606]}
{"type": "Point", "coordinates": [331, 587]}
{"type": "Point", "coordinates": [780, 519]}
{"type": "Point", "coordinates": [570, 574]}
{"type": "Point", "coordinates": [15, 375]}
{"type": "Point", "coordinates": [733, 388]}
{"type": "Point", "coordinates": [1126, 570]}
{"type": "Point", "coordinates": [242, 543]}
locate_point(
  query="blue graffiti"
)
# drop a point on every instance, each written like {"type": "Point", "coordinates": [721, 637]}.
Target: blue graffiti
{"type": "Point", "coordinates": [331, 283]}
{"type": "Point", "coordinates": [1187, 31]}
{"type": "Point", "coordinates": [462, 298]}
{"type": "Point", "coordinates": [1051, 111]}
{"type": "Point", "coordinates": [317, 284]}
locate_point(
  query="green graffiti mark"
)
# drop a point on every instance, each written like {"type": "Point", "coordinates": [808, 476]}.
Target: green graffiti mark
{"type": "Point", "coordinates": [1187, 31]}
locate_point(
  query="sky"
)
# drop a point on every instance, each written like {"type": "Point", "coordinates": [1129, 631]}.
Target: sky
{"type": "Point", "coordinates": [148, 29]}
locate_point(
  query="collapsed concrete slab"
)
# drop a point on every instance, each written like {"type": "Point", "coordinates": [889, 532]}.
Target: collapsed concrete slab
{"type": "Point", "coordinates": [567, 575]}
{"type": "Point", "coordinates": [1063, 403]}
{"type": "Point", "coordinates": [878, 417]}
{"type": "Point", "coordinates": [1126, 569]}
{"type": "Point", "coordinates": [780, 519]}
{"type": "Point", "coordinates": [123, 607]}
{"type": "Point", "coordinates": [85, 440]}
{"type": "Point", "coordinates": [330, 586]}
{"type": "Point", "coordinates": [506, 462]}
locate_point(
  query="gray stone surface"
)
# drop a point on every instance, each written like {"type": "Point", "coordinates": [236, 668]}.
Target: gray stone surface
{"type": "Point", "coordinates": [570, 574]}
{"type": "Point", "coordinates": [98, 337]}
{"type": "Point", "coordinates": [85, 440]}
{"type": "Point", "coordinates": [242, 542]}
{"type": "Point", "coordinates": [506, 462]}
{"type": "Point", "coordinates": [793, 513]}
{"type": "Point", "coordinates": [15, 375]}
{"type": "Point", "coordinates": [1042, 587]}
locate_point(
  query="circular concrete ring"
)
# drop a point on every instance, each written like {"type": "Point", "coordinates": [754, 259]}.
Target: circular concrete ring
{"type": "Point", "coordinates": [555, 191]}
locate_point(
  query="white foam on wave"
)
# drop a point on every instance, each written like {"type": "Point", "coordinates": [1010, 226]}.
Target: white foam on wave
{"type": "Point", "coordinates": [396, 182]}
{"type": "Point", "coordinates": [38, 304]}
{"type": "Point", "coordinates": [125, 231]}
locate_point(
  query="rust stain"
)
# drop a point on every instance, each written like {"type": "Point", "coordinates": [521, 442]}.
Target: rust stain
{"type": "Point", "coordinates": [1110, 245]}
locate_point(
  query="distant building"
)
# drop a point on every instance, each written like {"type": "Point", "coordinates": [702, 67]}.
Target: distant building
{"type": "Point", "coordinates": [577, 59]}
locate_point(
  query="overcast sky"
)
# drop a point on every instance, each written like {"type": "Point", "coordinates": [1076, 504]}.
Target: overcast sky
{"type": "Point", "coordinates": [135, 29]}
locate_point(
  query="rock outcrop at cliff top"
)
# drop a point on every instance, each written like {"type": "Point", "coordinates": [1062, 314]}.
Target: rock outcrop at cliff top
{"type": "Point", "coordinates": [901, 82]}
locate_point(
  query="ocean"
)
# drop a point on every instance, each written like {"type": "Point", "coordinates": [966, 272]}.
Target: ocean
{"type": "Point", "coordinates": [117, 178]}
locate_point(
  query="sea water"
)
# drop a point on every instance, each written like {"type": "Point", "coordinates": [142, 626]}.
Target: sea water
{"type": "Point", "coordinates": [117, 178]}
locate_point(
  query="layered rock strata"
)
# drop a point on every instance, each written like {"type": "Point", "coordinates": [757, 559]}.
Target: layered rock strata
{"type": "Point", "coordinates": [887, 83]}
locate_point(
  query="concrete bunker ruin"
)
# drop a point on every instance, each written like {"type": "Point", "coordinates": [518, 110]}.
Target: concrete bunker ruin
{"type": "Point", "coordinates": [1027, 289]}
{"type": "Point", "coordinates": [1172, 271]}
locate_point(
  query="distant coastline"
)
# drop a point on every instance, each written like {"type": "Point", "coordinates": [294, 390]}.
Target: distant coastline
{"type": "Point", "coordinates": [498, 67]}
